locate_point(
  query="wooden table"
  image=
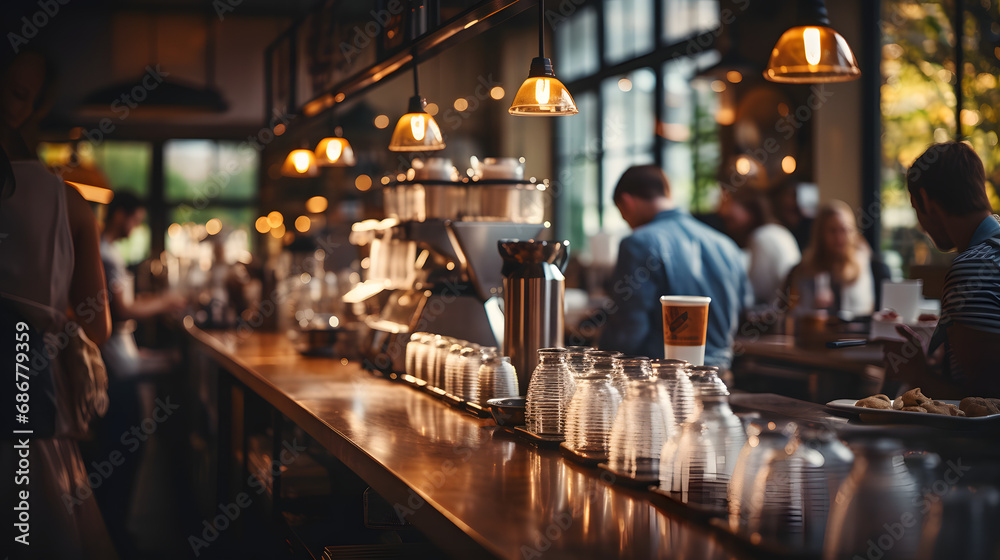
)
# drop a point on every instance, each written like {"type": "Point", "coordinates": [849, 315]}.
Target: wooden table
{"type": "Point", "coordinates": [472, 488]}
{"type": "Point", "coordinates": [816, 374]}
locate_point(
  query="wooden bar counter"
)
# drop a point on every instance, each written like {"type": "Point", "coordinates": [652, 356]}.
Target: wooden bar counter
{"type": "Point", "coordinates": [472, 488]}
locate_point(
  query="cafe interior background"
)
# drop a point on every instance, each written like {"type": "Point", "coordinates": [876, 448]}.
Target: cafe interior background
{"type": "Point", "coordinates": [676, 83]}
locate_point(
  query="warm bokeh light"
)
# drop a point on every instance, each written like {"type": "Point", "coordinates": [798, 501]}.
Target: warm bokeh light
{"type": "Point", "coordinates": [788, 164]}
{"type": "Point", "coordinates": [381, 121]}
{"type": "Point", "coordinates": [262, 225]}
{"type": "Point", "coordinates": [625, 85]}
{"type": "Point", "coordinates": [386, 180]}
{"type": "Point", "coordinates": [339, 98]}
{"type": "Point", "coordinates": [213, 226]}
{"type": "Point", "coordinates": [743, 165]}
{"type": "Point", "coordinates": [363, 182]}
{"type": "Point", "coordinates": [497, 93]}
{"type": "Point", "coordinates": [734, 76]}
{"type": "Point", "coordinates": [432, 109]}
{"type": "Point", "coordinates": [278, 232]}
{"type": "Point", "coordinates": [302, 224]}
{"type": "Point", "coordinates": [279, 129]}
{"type": "Point", "coordinates": [316, 204]}
{"type": "Point", "coordinates": [275, 219]}
{"type": "Point", "coordinates": [461, 104]}
{"type": "Point", "coordinates": [174, 230]}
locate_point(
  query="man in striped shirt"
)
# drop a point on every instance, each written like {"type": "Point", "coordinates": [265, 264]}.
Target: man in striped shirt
{"type": "Point", "coordinates": [947, 187]}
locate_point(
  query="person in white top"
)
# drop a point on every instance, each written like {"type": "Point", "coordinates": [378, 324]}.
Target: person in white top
{"type": "Point", "coordinates": [51, 276]}
{"type": "Point", "coordinates": [770, 249]}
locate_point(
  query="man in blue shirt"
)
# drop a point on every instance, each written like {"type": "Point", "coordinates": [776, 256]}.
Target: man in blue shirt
{"type": "Point", "coordinates": [670, 253]}
{"type": "Point", "coordinates": [947, 187]}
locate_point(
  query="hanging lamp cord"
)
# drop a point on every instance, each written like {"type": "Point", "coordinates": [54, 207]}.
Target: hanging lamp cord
{"type": "Point", "coordinates": [541, 28]}
{"type": "Point", "coordinates": [416, 84]}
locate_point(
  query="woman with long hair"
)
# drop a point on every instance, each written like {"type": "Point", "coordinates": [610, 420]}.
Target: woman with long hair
{"type": "Point", "coordinates": [837, 272]}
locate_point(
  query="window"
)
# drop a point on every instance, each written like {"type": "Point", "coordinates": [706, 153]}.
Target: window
{"type": "Point", "coordinates": [628, 29]}
{"type": "Point", "coordinates": [919, 97]}
{"type": "Point", "coordinates": [119, 165]}
{"type": "Point", "coordinates": [210, 188]}
{"type": "Point", "coordinates": [577, 44]}
{"type": "Point", "coordinates": [649, 112]}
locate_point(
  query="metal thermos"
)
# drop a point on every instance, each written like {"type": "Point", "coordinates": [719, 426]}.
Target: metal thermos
{"type": "Point", "coordinates": [533, 294]}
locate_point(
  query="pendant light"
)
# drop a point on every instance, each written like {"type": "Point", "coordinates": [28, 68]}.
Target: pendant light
{"type": "Point", "coordinates": [335, 151]}
{"type": "Point", "coordinates": [542, 94]}
{"type": "Point", "coordinates": [300, 163]}
{"type": "Point", "coordinates": [811, 52]}
{"type": "Point", "coordinates": [416, 131]}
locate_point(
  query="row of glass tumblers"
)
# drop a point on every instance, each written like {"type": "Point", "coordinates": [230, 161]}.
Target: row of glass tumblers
{"type": "Point", "coordinates": [605, 404]}
{"type": "Point", "coordinates": [466, 370]}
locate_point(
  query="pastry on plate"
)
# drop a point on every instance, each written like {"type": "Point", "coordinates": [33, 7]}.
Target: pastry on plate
{"type": "Point", "coordinates": [975, 407]}
{"type": "Point", "coordinates": [914, 397]}
{"type": "Point", "coordinates": [875, 401]}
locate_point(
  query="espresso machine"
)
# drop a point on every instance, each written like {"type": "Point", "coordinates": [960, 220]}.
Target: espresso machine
{"type": "Point", "coordinates": [428, 272]}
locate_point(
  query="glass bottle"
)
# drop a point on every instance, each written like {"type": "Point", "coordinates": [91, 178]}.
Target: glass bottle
{"type": "Point", "coordinates": [724, 428]}
{"type": "Point", "coordinates": [468, 383]}
{"type": "Point", "coordinates": [497, 378]}
{"type": "Point", "coordinates": [577, 359]}
{"type": "Point", "coordinates": [592, 410]}
{"type": "Point", "coordinates": [878, 509]}
{"type": "Point", "coordinates": [673, 374]}
{"type": "Point", "coordinates": [643, 424]}
{"type": "Point", "coordinates": [549, 393]}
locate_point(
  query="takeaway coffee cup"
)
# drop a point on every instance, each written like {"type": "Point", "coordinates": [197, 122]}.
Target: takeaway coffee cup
{"type": "Point", "coordinates": [685, 326]}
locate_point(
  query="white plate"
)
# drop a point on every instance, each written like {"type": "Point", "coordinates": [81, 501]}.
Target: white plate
{"type": "Point", "coordinates": [893, 416]}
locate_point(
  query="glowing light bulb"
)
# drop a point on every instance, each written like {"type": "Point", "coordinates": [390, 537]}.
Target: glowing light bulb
{"type": "Point", "coordinates": [810, 38]}
{"type": "Point", "coordinates": [418, 126]}
{"type": "Point", "coordinates": [542, 91]}
{"type": "Point", "coordinates": [333, 151]}
{"type": "Point", "coordinates": [301, 161]}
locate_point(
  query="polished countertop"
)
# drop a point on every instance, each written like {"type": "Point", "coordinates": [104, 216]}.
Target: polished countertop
{"type": "Point", "coordinates": [471, 487]}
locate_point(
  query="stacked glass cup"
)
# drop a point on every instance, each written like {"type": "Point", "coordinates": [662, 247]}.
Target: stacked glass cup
{"type": "Point", "coordinates": [549, 393]}
{"type": "Point", "coordinates": [592, 410]}
{"type": "Point", "coordinates": [497, 377]}
{"type": "Point", "coordinates": [643, 424]}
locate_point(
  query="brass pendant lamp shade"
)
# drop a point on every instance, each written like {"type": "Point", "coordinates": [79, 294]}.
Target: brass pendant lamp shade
{"type": "Point", "coordinates": [416, 131]}
{"type": "Point", "coordinates": [334, 151]}
{"type": "Point", "coordinates": [542, 94]}
{"type": "Point", "coordinates": [812, 52]}
{"type": "Point", "coordinates": [300, 163]}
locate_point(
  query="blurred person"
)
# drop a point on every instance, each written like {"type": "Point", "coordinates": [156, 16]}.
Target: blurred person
{"type": "Point", "coordinates": [947, 186]}
{"type": "Point", "coordinates": [790, 213]}
{"type": "Point", "coordinates": [131, 369]}
{"type": "Point", "coordinates": [770, 250]}
{"type": "Point", "coordinates": [51, 278]}
{"type": "Point", "coordinates": [121, 354]}
{"type": "Point", "coordinates": [838, 271]}
{"type": "Point", "coordinates": [670, 253]}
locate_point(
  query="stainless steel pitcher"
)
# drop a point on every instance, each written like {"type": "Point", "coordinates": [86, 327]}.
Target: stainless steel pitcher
{"type": "Point", "coordinates": [533, 293]}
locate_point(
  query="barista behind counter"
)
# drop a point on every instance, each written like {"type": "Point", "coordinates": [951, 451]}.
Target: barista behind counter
{"type": "Point", "coordinates": [670, 253]}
